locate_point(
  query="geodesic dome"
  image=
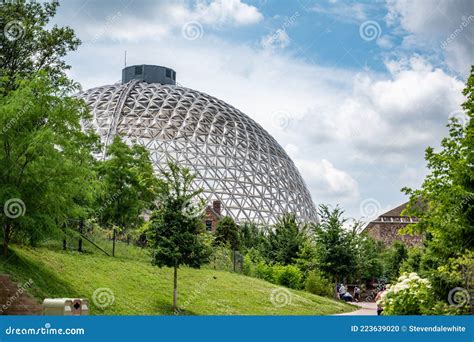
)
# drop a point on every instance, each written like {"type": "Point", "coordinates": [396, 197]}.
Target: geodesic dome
{"type": "Point", "coordinates": [234, 159]}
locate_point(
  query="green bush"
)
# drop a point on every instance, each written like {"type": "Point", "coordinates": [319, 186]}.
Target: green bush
{"type": "Point", "coordinates": [289, 276]}
{"type": "Point", "coordinates": [411, 295]}
{"type": "Point", "coordinates": [413, 261]}
{"type": "Point", "coordinates": [452, 280]}
{"type": "Point", "coordinates": [264, 271]}
{"type": "Point", "coordinates": [220, 259]}
{"type": "Point", "coordinates": [316, 284]}
{"type": "Point", "coordinates": [248, 266]}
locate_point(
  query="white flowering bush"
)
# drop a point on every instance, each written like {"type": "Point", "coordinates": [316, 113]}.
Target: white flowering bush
{"type": "Point", "coordinates": [411, 295]}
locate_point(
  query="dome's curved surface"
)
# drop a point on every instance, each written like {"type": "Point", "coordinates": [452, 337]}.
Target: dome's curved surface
{"type": "Point", "coordinates": [235, 160]}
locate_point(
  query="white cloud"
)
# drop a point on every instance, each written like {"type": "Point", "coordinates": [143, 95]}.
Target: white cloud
{"type": "Point", "coordinates": [385, 42]}
{"type": "Point", "coordinates": [429, 24]}
{"type": "Point", "coordinates": [345, 12]}
{"type": "Point", "coordinates": [397, 116]}
{"type": "Point", "coordinates": [277, 39]}
{"type": "Point", "coordinates": [324, 179]}
{"type": "Point", "coordinates": [166, 18]}
{"type": "Point", "coordinates": [228, 11]}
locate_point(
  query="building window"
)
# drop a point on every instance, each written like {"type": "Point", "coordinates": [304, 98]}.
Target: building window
{"type": "Point", "coordinates": [138, 70]}
{"type": "Point", "coordinates": [174, 75]}
{"type": "Point", "coordinates": [209, 225]}
{"type": "Point", "coordinates": [168, 73]}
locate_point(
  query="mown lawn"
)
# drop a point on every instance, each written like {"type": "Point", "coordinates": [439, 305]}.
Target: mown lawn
{"type": "Point", "coordinates": [138, 288]}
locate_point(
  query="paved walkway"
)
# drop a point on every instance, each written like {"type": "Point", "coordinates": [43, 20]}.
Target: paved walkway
{"type": "Point", "coordinates": [365, 309]}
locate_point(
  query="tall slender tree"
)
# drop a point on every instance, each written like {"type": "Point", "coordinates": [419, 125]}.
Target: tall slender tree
{"type": "Point", "coordinates": [285, 240]}
{"type": "Point", "coordinates": [175, 228]}
{"type": "Point", "coordinates": [335, 254]}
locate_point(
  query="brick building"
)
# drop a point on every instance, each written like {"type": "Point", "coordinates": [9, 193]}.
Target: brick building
{"type": "Point", "coordinates": [212, 216]}
{"type": "Point", "coordinates": [385, 227]}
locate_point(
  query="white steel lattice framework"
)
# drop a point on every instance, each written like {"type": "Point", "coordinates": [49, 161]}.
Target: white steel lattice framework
{"type": "Point", "coordinates": [234, 159]}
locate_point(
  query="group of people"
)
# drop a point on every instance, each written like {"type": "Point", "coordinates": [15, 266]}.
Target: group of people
{"type": "Point", "coordinates": [344, 294]}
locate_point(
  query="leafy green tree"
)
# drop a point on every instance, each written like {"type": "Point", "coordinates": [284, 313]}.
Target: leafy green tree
{"type": "Point", "coordinates": [367, 253]}
{"type": "Point", "coordinates": [307, 259]}
{"type": "Point", "coordinates": [253, 237]}
{"type": "Point", "coordinates": [28, 46]}
{"type": "Point", "coordinates": [176, 225]}
{"type": "Point", "coordinates": [393, 259]}
{"type": "Point", "coordinates": [129, 186]}
{"type": "Point", "coordinates": [413, 261]}
{"type": "Point", "coordinates": [46, 173]}
{"type": "Point", "coordinates": [285, 240]}
{"type": "Point", "coordinates": [335, 255]}
{"type": "Point", "coordinates": [227, 233]}
{"type": "Point", "coordinates": [445, 202]}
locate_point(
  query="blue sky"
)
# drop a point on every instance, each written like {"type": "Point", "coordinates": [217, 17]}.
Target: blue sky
{"type": "Point", "coordinates": [354, 91]}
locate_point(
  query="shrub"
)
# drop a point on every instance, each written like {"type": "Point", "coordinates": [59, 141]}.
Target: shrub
{"type": "Point", "coordinates": [413, 261]}
{"type": "Point", "coordinates": [263, 271]}
{"type": "Point", "coordinates": [316, 284]}
{"type": "Point", "coordinates": [221, 259]}
{"type": "Point", "coordinates": [289, 276]}
{"type": "Point", "coordinates": [451, 282]}
{"type": "Point", "coordinates": [411, 295]}
{"type": "Point", "coordinates": [248, 266]}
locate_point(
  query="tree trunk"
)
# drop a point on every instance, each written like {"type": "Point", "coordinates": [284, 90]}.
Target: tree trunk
{"type": "Point", "coordinates": [81, 230]}
{"type": "Point", "coordinates": [113, 242]}
{"type": "Point", "coordinates": [6, 238]}
{"type": "Point", "coordinates": [233, 259]}
{"type": "Point", "coordinates": [175, 289]}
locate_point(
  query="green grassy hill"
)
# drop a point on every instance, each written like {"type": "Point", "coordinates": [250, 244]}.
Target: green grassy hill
{"type": "Point", "coordinates": [141, 289]}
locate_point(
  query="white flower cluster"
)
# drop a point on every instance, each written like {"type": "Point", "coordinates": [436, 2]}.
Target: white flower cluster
{"type": "Point", "coordinates": [409, 284]}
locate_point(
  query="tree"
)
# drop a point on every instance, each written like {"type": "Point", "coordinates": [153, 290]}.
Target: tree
{"type": "Point", "coordinates": [285, 240]}
{"type": "Point", "coordinates": [28, 47]}
{"type": "Point", "coordinates": [129, 186]}
{"type": "Point", "coordinates": [227, 233]}
{"type": "Point", "coordinates": [393, 259]}
{"type": "Point", "coordinates": [45, 161]}
{"type": "Point", "coordinates": [367, 258]}
{"type": "Point", "coordinates": [444, 204]}
{"type": "Point", "coordinates": [253, 237]}
{"type": "Point", "coordinates": [176, 225]}
{"type": "Point", "coordinates": [307, 260]}
{"type": "Point", "coordinates": [335, 255]}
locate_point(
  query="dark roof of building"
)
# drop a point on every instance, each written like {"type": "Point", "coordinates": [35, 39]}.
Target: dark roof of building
{"type": "Point", "coordinates": [396, 211]}
{"type": "Point", "coordinates": [393, 216]}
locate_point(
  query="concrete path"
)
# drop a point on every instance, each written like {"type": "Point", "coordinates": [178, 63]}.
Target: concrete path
{"type": "Point", "coordinates": [365, 309]}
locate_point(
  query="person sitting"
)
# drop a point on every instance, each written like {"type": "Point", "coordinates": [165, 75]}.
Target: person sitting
{"type": "Point", "coordinates": [347, 297]}
{"type": "Point", "coordinates": [342, 290]}
{"type": "Point", "coordinates": [343, 294]}
{"type": "Point", "coordinates": [356, 293]}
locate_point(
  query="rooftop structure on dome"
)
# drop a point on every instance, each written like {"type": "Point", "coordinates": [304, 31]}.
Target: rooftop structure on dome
{"type": "Point", "coordinates": [234, 159]}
